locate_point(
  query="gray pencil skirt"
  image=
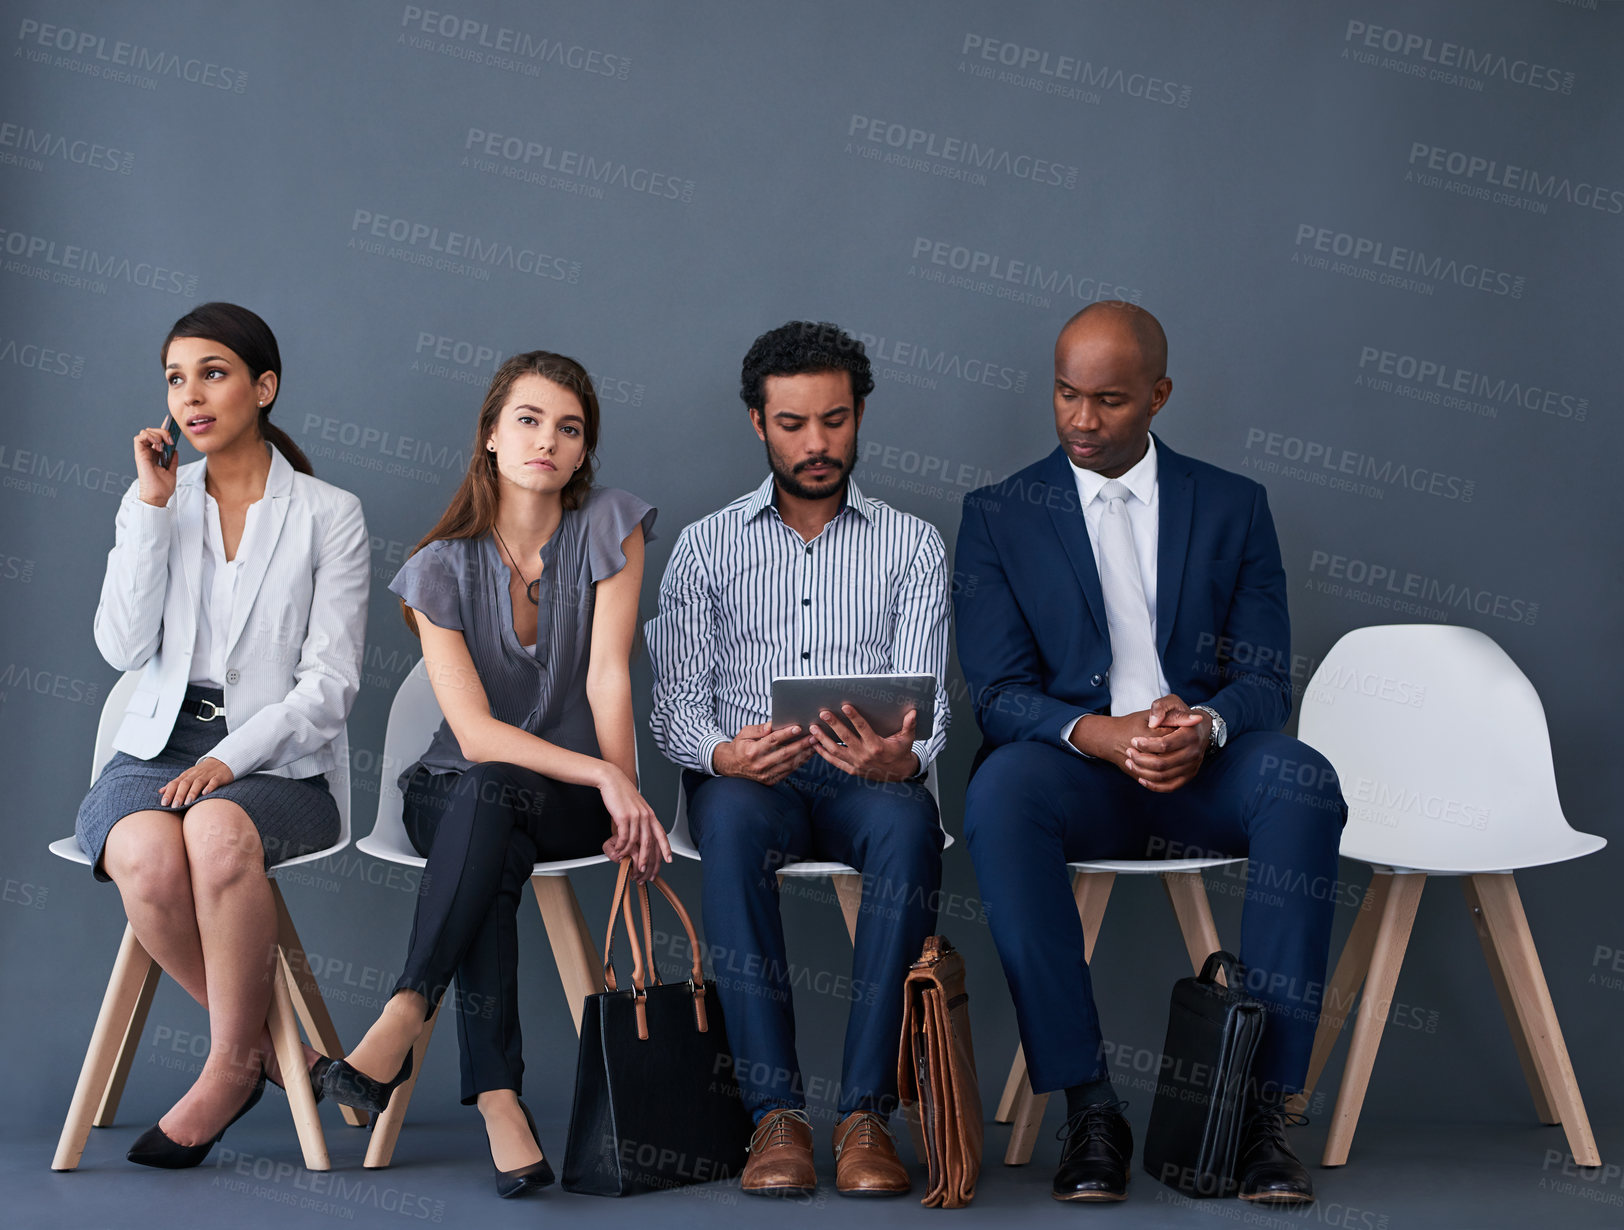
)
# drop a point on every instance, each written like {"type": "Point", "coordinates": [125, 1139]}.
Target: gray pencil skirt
{"type": "Point", "coordinates": [294, 816]}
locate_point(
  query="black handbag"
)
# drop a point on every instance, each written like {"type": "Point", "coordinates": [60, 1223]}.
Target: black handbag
{"type": "Point", "coordinates": [656, 1101]}
{"type": "Point", "coordinates": [1212, 1036]}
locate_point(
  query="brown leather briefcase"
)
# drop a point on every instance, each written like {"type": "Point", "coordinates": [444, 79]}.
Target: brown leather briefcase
{"type": "Point", "coordinates": [936, 1072]}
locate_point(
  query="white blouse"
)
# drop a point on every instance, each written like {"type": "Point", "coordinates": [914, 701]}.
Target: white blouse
{"type": "Point", "coordinates": [219, 586]}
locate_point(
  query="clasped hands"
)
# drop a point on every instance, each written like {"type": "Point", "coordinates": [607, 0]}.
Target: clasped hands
{"type": "Point", "coordinates": [768, 756]}
{"type": "Point", "coordinates": [1161, 747]}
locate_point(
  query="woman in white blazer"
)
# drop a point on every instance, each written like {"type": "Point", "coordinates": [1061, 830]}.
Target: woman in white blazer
{"type": "Point", "coordinates": [237, 585]}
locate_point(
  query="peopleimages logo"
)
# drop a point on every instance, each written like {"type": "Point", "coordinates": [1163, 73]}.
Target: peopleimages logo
{"type": "Point", "coordinates": [478, 42]}
{"type": "Point", "coordinates": [1404, 591]}
{"type": "Point", "coordinates": [452, 251]}
{"type": "Point", "coordinates": [21, 145]}
{"type": "Point", "coordinates": [85, 268]}
{"type": "Point", "coordinates": [1455, 388]}
{"type": "Point", "coordinates": [1343, 468]}
{"type": "Point", "coordinates": [529, 161]}
{"type": "Point", "coordinates": [1390, 264]}
{"type": "Point", "coordinates": [127, 63]}
{"type": "Point", "coordinates": [923, 149]}
{"type": "Point", "coordinates": [1067, 76]}
{"type": "Point", "coordinates": [1505, 183]}
{"type": "Point", "coordinates": [1451, 63]}
{"type": "Point", "coordinates": [919, 364]}
{"type": "Point", "coordinates": [1023, 281]}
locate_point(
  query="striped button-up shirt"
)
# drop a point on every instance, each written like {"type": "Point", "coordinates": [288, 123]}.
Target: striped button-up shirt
{"type": "Point", "coordinates": [744, 600]}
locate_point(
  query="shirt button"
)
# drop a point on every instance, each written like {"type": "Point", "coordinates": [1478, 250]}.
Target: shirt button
{"type": "Point", "coordinates": [805, 653]}
{"type": "Point", "coordinates": [809, 550]}
{"type": "Point", "coordinates": [806, 602]}
{"type": "Point", "coordinates": [232, 676]}
{"type": "Point", "coordinates": [1097, 680]}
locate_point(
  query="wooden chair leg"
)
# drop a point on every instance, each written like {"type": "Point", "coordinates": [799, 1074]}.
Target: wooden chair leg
{"type": "Point", "coordinates": [131, 969]}
{"type": "Point", "coordinates": [1188, 897]}
{"type": "Point", "coordinates": [1544, 1106]}
{"type": "Point", "coordinates": [127, 1049]}
{"type": "Point", "coordinates": [284, 1026]}
{"type": "Point", "coordinates": [1092, 891]}
{"type": "Point", "coordinates": [307, 997]}
{"type": "Point", "coordinates": [849, 890]}
{"type": "Point", "coordinates": [1502, 913]}
{"type": "Point", "coordinates": [1349, 976]}
{"type": "Point", "coordinates": [1402, 897]}
{"type": "Point", "coordinates": [386, 1128]}
{"type": "Point", "coordinates": [580, 968]}
{"type": "Point", "coordinates": [1012, 1086]}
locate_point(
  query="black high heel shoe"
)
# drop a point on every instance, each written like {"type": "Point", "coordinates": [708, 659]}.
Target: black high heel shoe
{"type": "Point", "coordinates": [318, 1074]}
{"type": "Point", "coordinates": [349, 1087]}
{"type": "Point", "coordinates": [154, 1148]}
{"type": "Point", "coordinates": [510, 1183]}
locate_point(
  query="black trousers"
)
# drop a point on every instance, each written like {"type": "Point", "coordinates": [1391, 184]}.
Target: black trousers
{"type": "Point", "coordinates": [482, 831]}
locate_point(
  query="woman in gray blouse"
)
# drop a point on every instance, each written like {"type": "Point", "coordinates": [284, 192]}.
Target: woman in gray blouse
{"type": "Point", "coordinates": [524, 597]}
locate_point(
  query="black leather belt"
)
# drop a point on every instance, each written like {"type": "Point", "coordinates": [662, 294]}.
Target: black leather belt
{"type": "Point", "coordinates": [203, 710]}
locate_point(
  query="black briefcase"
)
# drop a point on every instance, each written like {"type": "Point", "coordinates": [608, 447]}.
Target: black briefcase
{"type": "Point", "coordinates": [1212, 1036]}
{"type": "Point", "coordinates": [656, 1101]}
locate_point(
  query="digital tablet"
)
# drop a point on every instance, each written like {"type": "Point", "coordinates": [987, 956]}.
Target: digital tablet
{"type": "Point", "coordinates": [883, 700]}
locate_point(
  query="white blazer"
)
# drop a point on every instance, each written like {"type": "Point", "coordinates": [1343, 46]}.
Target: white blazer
{"type": "Point", "coordinates": [293, 650]}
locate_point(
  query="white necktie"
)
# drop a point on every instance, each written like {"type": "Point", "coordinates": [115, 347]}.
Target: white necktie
{"type": "Point", "coordinates": [1134, 675]}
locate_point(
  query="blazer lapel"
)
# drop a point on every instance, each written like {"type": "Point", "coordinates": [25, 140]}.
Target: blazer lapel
{"type": "Point", "coordinates": [1073, 530]}
{"type": "Point", "coordinates": [1177, 498]}
{"type": "Point", "coordinates": [189, 512]}
{"type": "Point", "coordinates": [278, 492]}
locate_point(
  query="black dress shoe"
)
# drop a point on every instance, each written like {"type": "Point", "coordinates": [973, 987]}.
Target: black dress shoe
{"type": "Point", "coordinates": [510, 1183]}
{"type": "Point", "coordinates": [1094, 1158]}
{"type": "Point", "coordinates": [349, 1087]}
{"type": "Point", "coordinates": [1267, 1169]}
{"type": "Point", "coordinates": [154, 1148]}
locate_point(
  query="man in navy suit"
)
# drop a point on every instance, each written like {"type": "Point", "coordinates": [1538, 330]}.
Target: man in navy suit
{"type": "Point", "coordinates": [1122, 624]}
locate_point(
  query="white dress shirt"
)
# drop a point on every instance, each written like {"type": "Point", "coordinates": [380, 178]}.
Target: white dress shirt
{"type": "Point", "coordinates": [1143, 510]}
{"type": "Point", "coordinates": [219, 585]}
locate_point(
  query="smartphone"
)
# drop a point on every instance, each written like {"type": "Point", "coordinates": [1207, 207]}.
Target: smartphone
{"type": "Point", "coordinates": [166, 454]}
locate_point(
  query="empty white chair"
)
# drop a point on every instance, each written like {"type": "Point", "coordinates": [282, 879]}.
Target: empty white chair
{"type": "Point", "coordinates": [295, 995]}
{"type": "Point", "coordinates": [413, 718]}
{"type": "Point", "coordinates": [1444, 757]}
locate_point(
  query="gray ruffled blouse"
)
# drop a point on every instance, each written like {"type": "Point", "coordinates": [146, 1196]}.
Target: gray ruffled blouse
{"type": "Point", "coordinates": [462, 583]}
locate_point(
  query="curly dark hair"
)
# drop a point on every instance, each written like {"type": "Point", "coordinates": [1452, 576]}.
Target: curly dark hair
{"type": "Point", "coordinates": [803, 346]}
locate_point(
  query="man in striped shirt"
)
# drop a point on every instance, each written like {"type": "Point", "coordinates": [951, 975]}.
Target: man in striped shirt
{"type": "Point", "coordinates": [805, 576]}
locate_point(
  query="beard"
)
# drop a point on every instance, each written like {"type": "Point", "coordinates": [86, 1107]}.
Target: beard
{"type": "Point", "coordinates": [790, 478]}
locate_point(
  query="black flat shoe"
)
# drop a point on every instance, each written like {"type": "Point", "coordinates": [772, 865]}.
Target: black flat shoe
{"type": "Point", "coordinates": [349, 1087]}
{"type": "Point", "coordinates": [1269, 1172]}
{"type": "Point", "coordinates": [153, 1148]}
{"type": "Point", "coordinates": [510, 1183]}
{"type": "Point", "coordinates": [318, 1073]}
{"type": "Point", "coordinates": [1094, 1159]}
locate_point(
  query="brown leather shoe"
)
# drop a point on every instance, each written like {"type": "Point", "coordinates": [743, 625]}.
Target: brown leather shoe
{"type": "Point", "coordinates": [866, 1161]}
{"type": "Point", "coordinates": [780, 1156]}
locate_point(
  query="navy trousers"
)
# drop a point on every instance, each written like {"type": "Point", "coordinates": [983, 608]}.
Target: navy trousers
{"type": "Point", "coordinates": [889, 831]}
{"type": "Point", "coordinates": [1031, 808]}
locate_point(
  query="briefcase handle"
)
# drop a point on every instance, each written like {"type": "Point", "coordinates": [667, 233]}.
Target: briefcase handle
{"type": "Point", "coordinates": [1234, 971]}
{"type": "Point", "coordinates": [622, 905]}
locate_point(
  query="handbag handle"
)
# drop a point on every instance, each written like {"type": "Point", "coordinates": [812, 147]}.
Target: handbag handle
{"type": "Point", "coordinates": [1234, 971]}
{"type": "Point", "coordinates": [622, 905]}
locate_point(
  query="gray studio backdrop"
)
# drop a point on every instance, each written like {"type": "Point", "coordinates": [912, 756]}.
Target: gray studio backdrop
{"type": "Point", "coordinates": [1384, 239]}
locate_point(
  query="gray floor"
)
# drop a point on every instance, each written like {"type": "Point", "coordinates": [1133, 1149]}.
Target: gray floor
{"type": "Point", "coordinates": [1481, 1175]}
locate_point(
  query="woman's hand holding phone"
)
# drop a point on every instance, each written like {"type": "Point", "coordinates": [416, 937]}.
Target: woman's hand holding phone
{"type": "Point", "coordinates": [155, 464]}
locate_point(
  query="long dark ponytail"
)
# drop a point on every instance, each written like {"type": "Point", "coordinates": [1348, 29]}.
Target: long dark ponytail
{"type": "Point", "coordinates": [251, 339]}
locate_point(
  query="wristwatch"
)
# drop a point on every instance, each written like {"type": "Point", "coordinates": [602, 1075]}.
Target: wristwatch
{"type": "Point", "coordinates": [1219, 734]}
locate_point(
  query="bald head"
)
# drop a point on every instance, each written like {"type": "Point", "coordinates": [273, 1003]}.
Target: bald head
{"type": "Point", "coordinates": [1127, 320]}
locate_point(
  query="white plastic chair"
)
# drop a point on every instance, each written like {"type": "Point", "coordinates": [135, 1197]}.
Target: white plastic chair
{"type": "Point", "coordinates": [414, 716]}
{"type": "Point", "coordinates": [1444, 757]}
{"type": "Point", "coordinates": [296, 996]}
{"type": "Point", "coordinates": [1091, 884]}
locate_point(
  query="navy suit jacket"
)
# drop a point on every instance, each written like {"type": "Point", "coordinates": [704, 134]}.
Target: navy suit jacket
{"type": "Point", "coordinates": [1030, 615]}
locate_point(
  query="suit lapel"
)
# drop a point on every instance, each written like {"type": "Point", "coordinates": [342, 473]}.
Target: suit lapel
{"type": "Point", "coordinates": [189, 511]}
{"type": "Point", "coordinates": [278, 492]}
{"type": "Point", "coordinates": [1177, 498]}
{"type": "Point", "coordinates": [1073, 530]}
